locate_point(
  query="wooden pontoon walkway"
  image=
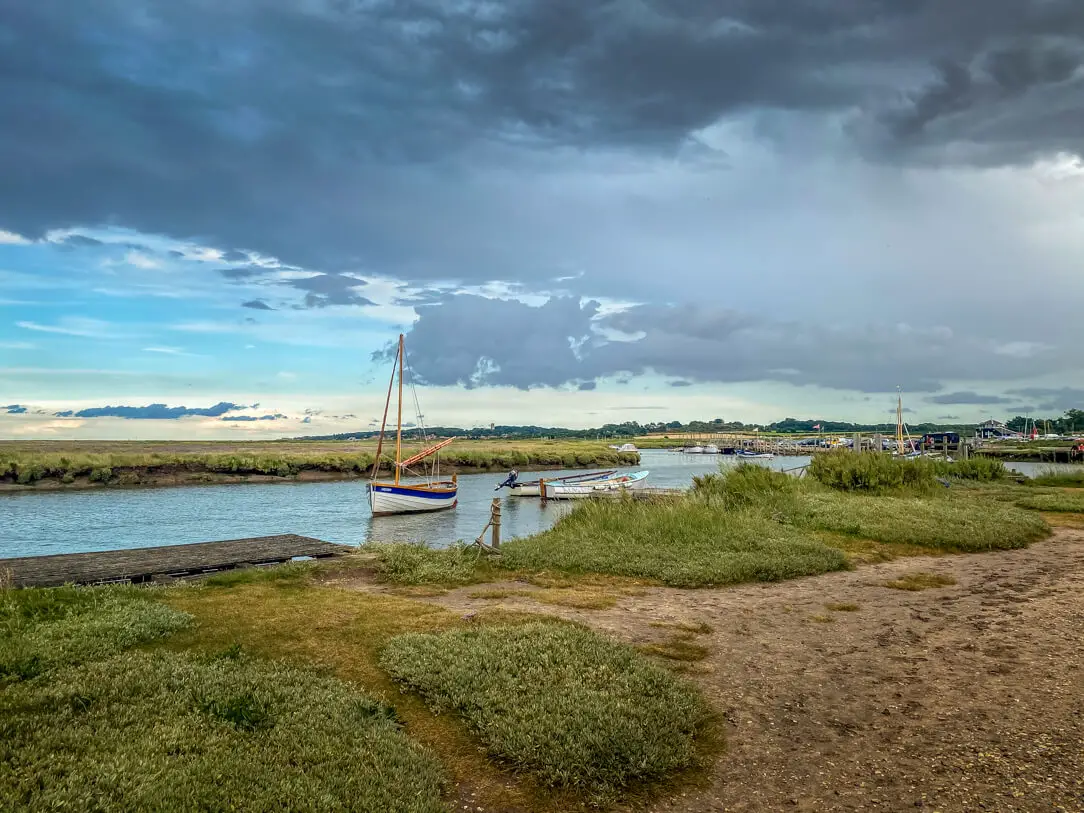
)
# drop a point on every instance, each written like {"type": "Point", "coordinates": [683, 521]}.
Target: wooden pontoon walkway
{"type": "Point", "coordinates": [162, 564]}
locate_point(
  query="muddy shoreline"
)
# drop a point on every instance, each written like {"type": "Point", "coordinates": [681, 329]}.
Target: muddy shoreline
{"type": "Point", "coordinates": [137, 478]}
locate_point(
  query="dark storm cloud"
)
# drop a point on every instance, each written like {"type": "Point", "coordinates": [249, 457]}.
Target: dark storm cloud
{"type": "Point", "coordinates": [473, 341]}
{"type": "Point", "coordinates": [282, 126]}
{"type": "Point", "coordinates": [249, 418]}
{"type": "Point", "coordinates": [245, 273]}
{"type": "Point", "coordinates": [973, 398]}
{"type": "Point", "coordinates": [324, 290]}
{"type": "Point", "coordinates": [79, 241]}
{"type": "Point", "coordinates": [152, 411]}
{"type": "Point", "coordinates": [257, 304]}
{"type": "Point", "coordinates": [234, 256]}
{"type": "Point", "coordinates": [563, 342]}
{"type": "Point", "coordinates": [587, 386]}
{"type": "Point", "coordinates": [1053, 400]}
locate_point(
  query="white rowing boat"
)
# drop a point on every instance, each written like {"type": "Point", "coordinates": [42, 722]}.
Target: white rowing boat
{"type": "Point", "coordinates": [565, 491]}
{"type": "Point", "coordinates": [531, 487]}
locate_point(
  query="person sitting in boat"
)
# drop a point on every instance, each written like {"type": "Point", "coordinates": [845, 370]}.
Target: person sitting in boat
{"type": "Point", "coordinates": [510, 481]}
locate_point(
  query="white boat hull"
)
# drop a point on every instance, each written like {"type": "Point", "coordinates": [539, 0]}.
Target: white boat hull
{"type": "Point", "coordinates": [388, 498]}
{"type": "Point", "coordinates": [527, 490]}
{"type": "Point", "coordinates": [560, 491]}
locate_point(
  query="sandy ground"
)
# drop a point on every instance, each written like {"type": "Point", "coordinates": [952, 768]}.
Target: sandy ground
{"type": "Point", "coordinates": [968, 697]}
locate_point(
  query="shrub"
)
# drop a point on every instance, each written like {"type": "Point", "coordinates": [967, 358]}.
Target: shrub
{"type": "Point", "coordinates": [688, 542]}
{"type": "Point", "coordinates": [982, 469]}
{"type": "Point", "coordinates": [574, 708]}
{"type": "Point", "coordinates": [167, 731]}
{"type": "Point", "coordinates": [418, 563]}
{"type": "Point", "coordinates": [746, 485]}
{"type": "Point", "coordinates": [871, 472]}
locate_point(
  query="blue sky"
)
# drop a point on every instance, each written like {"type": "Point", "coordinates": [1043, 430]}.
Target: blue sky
{"type": "Point", "coordinates": [578, 213]}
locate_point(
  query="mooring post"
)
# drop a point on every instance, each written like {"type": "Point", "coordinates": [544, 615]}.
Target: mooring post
{"type": "Point", "coordinates": [856, 443]}
{"type": "Point", "coordinates": [495, 520]}
{"type": "Point", "coordinates": [542, 489]}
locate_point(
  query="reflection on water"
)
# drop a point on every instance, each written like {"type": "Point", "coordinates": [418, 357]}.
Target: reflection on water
{"type": "Point", "coordinates": [65, 522]}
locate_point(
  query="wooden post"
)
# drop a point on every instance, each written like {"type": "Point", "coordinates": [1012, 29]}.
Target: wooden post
{"type": "Point", "coordinates": [542, 489]}
{"type": "Point", "coordinates": [857, 442]}
{"type": "Point", "coordinates": [495, 520]}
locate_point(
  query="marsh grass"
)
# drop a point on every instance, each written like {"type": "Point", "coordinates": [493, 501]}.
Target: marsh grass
{"type": "Point", "coordinates": [575, 709]}
{"type": "Point", "coordinates": [949, 522]}
{"type": "Point", "coordinates": [691, 542]}
{"type": "Point", "coordinates": [290, 573]}
{"type": "Point", "coordinates": [42, 629]}
{"type": "Point", "coordinates": [872, 472]}
{"type": "Point", "coordinates": [134, 462]}
{"type": "Point", "coordinates": [979, 469]}
{"type": "Point", "coordinates": [691, 627]}
{"type": "Point", "coordinates": [678, 647]}
{"type": "Point", "coordinates": [842, 607]}
{"type": "Point", "coordinates": [920, 581]}
{"type": "Point", "coordinates": [410, 563]}
{"type": "Point", "coordinates": [1058, 477]}
{"type": "Point", "coordinates": [1068, 501]}
{"type": "Point", "coordinates": [169, 731]}
{"type": "Point", "coordinates": [821, 619]}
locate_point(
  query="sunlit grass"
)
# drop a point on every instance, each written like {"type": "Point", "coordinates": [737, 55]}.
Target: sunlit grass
{"type": "Point", "coordinates": [920, 581]}
{"type": "Point", "coordinates": [572, 707]}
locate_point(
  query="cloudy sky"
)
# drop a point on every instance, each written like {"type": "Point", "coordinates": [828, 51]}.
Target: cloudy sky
{"type": "Point", "coordinates": [215, 216]}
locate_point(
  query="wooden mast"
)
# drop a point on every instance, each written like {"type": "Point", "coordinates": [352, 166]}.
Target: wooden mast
{"type": "Point", "coordinates": [383, 424]}
{"type": "Point", "coordinates": [899, 421]}
{"type": "Point", "coordinates": [399, 425]}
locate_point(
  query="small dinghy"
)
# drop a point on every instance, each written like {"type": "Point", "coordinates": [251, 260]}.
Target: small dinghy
{"type": "Point", "coordinates": [556, 490]}
{"type": "Point", "coordinates": [530, 488]}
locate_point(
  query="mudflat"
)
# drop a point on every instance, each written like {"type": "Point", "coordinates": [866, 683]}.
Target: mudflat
{"type": "Point", "coordinates": [841, 693]}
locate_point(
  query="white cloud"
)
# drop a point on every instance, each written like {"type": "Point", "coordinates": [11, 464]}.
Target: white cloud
{"type": "Point", "coordinates": [169, 351]}
{"type": "Point", "coordinates": [17, 345]}
{"type": "Point", "coordinates": [73, 326]}
{"type": "Point", "coordinates": [140, 260]}
{"type": "Point", "coordinates": [10, 238]}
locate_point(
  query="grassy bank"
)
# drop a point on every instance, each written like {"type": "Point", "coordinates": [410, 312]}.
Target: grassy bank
{"type": "Point", "coordinates": [60, 464]}
{"type": "Point", "coordinates": [244, 692]}
{"type": "Point", "coordinates": [753, 524]}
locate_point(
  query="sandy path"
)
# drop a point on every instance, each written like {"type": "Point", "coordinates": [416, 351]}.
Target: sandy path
{"type": "Point", "coordinates": [960, 698]}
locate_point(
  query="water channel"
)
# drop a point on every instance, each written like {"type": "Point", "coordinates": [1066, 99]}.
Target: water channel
{"type": "Point", "coordinates": [41, 523]}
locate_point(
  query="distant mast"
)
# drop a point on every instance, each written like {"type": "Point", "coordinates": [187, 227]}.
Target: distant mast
{"type": "Point", "coordinates": [899, 420]}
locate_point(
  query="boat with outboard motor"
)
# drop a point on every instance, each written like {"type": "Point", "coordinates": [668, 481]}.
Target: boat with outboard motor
{"type": "Point", "coordinates": [556, 490]}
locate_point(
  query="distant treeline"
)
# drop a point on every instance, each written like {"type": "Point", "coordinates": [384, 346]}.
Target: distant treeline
{"type": "Point", "coordinates": [631, 429]}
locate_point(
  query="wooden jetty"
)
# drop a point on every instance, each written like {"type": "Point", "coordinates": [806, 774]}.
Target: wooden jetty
{"type": "Point", "coordinates": [163, 564]}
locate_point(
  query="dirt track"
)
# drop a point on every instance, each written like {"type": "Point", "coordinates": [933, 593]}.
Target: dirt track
{"type": "Point", "coordinates": [959, 698]}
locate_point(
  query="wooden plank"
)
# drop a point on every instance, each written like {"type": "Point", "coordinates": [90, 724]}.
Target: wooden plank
{"type": "Point", "coordinates": [162, 563]}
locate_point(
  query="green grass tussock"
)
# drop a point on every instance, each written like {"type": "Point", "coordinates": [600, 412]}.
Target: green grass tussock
{"type": "Point", "coordinates": [872, 472]}
{"type": "Point", "coordinates": [746, 486]}
{"type": "Point", "coordinates": [689, 542]}
{"type": "Point", "coordinates": [915, 582]}
{"type": "Point", "coordinates": [951, 522]}
{"type": "Point", "coordinates": [1061, 478]}
{"type": "Point", "coordinates": [168, 731]}
{"type": "Point", "coordinates": [980, 469]}
{"type": "Point", "coordinates": [575, 709]}
{"type": "Point", "coordinates": [418, 563]}
{"type": "Point", "coordinates": [1068, 502]}
{"type": "Point", "coordinates": [133, 462]}
{"type": "Point", "coordinates": [43, 629]}
{"type": "Point", "coordinates": [288, 574]}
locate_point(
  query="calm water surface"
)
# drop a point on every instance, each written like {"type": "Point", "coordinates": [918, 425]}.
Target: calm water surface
{"type": "Point", "coordinates": [34, 524]}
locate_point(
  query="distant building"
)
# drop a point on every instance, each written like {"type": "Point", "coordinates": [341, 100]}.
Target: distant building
{"type": "Point", "coordinates": [995, 429]}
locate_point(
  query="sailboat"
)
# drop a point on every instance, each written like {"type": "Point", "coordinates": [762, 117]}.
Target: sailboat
{"type": "Point", "coordinates": [397, 497]}
{"type": "Point", "coordinates": [902, 433]}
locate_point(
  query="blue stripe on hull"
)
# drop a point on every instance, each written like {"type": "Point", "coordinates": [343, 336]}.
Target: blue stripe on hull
{"type": "Point", "coordinates": [407, 491]}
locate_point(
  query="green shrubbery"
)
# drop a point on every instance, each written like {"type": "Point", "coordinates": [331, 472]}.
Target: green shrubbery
{"type": "Point", "coordinates": [871, 472]}
{"type": "Point", "coordinates": [574, 708]}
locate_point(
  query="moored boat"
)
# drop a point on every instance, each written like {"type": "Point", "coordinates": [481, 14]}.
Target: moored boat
{"type": "Point", "coordinates": [531, 487]}
{"type": "Point", "coordinates": [397, 497]}
{"type": "Point", "coordinates": [571, 491]}
{"type": "Point", "coordinates": [754, 455]}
